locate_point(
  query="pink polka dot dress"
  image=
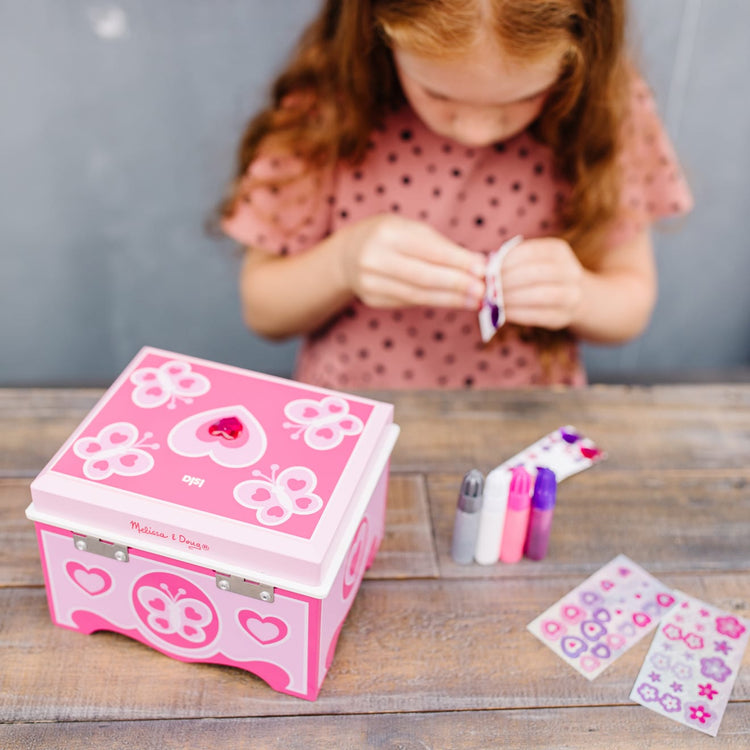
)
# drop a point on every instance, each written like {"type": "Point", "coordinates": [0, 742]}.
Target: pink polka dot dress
{"type": "Point", "coordinates": [477, 197]}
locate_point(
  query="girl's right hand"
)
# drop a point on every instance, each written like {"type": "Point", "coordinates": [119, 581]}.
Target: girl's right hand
{"type": "Point", "coordinates": [390, 261]}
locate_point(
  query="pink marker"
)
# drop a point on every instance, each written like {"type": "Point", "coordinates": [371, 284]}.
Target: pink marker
{"type": "Point", "coordinates": [517, 516]}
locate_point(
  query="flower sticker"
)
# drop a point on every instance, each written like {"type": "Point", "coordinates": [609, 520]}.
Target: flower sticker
{"type": "Point", "coordinates": [698, 715]}
{"type": "Point", "coordinates": [729, 626]}
{"type": "Point", "coordinates": [715, 668]}
{"type": "Point", "coordinates": [707, 691]}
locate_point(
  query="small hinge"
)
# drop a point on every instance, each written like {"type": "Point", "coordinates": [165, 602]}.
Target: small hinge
{"type": "Point", "coordinates": [238, 585]}
{"type": "Point", "coordinates": [99, 547]}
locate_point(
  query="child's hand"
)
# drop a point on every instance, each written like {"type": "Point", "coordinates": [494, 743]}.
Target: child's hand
{"type": "Point", "coordinates": [542, 284]}
{"type": "Point", "coordinates": [390, 261]}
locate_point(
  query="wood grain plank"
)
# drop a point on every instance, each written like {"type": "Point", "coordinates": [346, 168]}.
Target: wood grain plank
{"type": "Point", "coordinates": [552, 729]}
{"type": "Point", "coordinates": [646, 428]}
{"type": "Point", "coordinates": [667, 521]}
{"type": "Point", "coordinates": [407, 549]}
{"type": "Point", "coordinates": [689, 426]}
{"type": "Point", "coordinates": [407, 646]}
{"type": "Point", "coordinates": [35, 422]}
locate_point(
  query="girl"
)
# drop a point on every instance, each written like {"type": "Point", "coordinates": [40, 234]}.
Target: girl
{"type": "Point", "coordinates": [405, 140]}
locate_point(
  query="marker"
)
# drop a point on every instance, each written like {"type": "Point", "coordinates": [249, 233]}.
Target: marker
{"type": "Point", "coordinates": [540, 519]}
{"type": "Point", "coordinates": [517, 516]}
{"type": "Point", "coordinates": [492, 517]}
{"type": "Point", "coordinates": [466, 525]}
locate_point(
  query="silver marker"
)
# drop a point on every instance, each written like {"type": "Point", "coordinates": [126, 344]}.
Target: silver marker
{"type": "Point", "coordinates": [466, 525]}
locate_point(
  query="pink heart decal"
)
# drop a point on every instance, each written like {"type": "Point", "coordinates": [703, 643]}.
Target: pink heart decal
{"type": "Point", "coordinates": [155, 391]}
{"type": "Point", "coordinates": [261, 495]}
{"type": "Point", "coordinates": [346, 424]}
{"type": "Point", "coordinates": [277, 511]}
{"type": "Point", "coordinates": [303, 502]}
{"type": "Point", "coordinates": [296, 484]}
{"type": "Point", "coordinates": [310, 413]}
{"type": "Point", "coordinates": [265, 630]}
{"type": "Point", "coordinates": [641, 619]}
{"type": "Point", "coordinates": [101, 465]}
{"type": "Point", "coordinates": [335, 408]}
{"type": "Point", "coordinates": [94, 581]}
{"type": "Point", "coordinates": [157, 604]}
{"type": "Point", "coordinates": [607, 585]}
{"type": "Point", "coordinates": [129, 459]}
{"type": "Point", "coordinates": [325, 432]}
{"type": "Point", "coordinates": [191, 614]}
{"type": "Point", "coordinates": [186, 383]}
{"type": "Point", "coordinates": [93, 448]}
{"type": "Point", "coordinates": [118, 437]}
{"type": "Point", "coordinates": [231, 436]}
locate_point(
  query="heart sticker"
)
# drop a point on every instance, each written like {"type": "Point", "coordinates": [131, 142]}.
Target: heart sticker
{"type": "Point", "coordinates": [553, 629]}
{"type": "Point", "coordinates": [94, 581]}
{"type": "Point", "coordinates": [265, 630]}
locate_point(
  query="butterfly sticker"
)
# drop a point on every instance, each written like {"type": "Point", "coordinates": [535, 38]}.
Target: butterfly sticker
{"type": "Point", "coordinates": [174, 614]}
{"type": "Point", "coordinates": [323, 424]}
{"type": "Point", "coordinates": [115, 450]}
{"type": "Point", "coordinates": [172, 381]}
{"type": "Point", "coordinates": [278, 497]}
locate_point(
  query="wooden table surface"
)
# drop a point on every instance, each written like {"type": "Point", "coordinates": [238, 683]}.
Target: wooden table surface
{"type": "Point", "coordinates": [433, 654]}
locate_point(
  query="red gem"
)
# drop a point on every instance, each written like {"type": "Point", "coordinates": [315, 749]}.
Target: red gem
{"type": "Point", "coordinates": [227, 427]}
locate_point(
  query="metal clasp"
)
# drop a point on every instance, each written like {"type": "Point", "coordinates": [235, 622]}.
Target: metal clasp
{"type": "Point", "coordinates": [238, 585]}
{"type": "Point", "coordinates": [99, 547]}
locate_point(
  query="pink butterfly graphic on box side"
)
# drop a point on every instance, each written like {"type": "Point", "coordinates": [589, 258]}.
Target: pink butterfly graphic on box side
{"type": "Point", "coordinates": [166, 384]}
{"type": "Point", "coordinates": [230, 435]}
{"type": "Point", "coordinates": [115, 450]}
{"type": "Point", "coordinates": [323, 424]}
{"type": "Point", "coordinates": [278, 497]}
{"type": "Point", "coordinates": [169, 610]}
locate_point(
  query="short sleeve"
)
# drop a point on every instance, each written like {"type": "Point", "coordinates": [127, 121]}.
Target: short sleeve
{"type": "Point", "coordinates": [282, 208]}
{"type": "Point", "coordinates": [653, 186]}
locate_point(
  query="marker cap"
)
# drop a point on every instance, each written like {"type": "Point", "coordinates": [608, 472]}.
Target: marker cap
{"type": "Point", "coordinates": [545, 489]}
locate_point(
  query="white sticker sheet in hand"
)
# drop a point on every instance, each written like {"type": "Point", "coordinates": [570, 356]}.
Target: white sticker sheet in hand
{"type": "Point", "coordinates": [603, 617]}
{"type": "Point", "coordinates": [492, 311]}
{"type": "Point", "coordinates": [690, 669]}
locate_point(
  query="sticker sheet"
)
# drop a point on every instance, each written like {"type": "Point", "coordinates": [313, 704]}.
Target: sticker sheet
{"type": "Point", "coordinates": [564, 450]}
{"type": "Point", "coordinates": [690, 669]}
{"type": "Point", "coordinates": [492, 311]}
{"type": "Point", "coordinates": [604, 616]}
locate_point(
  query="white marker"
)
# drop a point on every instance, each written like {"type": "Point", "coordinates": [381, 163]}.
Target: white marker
{"type": "Point", "coordinates": [492, 517]}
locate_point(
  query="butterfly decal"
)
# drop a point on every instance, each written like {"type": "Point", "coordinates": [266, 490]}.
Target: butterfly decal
{"type": "Point", "coordinates": [172, 381]}
{"type": "Point", "coordinates": [169, 613]}
{"type": "Point", "coordinates": [323, 424]}
{"type": "Point", "coordinates": [278, 497]}
{"type": "Point", "coordinates": [115, 450]}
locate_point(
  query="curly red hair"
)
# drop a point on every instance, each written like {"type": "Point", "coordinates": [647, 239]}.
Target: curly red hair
{"type": "Point", "coordinates": [340, 81]}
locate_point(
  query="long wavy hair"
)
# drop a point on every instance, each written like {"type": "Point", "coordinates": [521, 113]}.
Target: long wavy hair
{"type": "Point", "coordinates": [340, 82]}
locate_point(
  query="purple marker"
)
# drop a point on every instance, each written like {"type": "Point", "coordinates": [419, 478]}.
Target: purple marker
{"type": "Point", "coordinates": [542, 508]}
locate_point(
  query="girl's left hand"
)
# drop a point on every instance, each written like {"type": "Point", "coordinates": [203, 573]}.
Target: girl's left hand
{"type": "Point", "coordinates": [542, 283]}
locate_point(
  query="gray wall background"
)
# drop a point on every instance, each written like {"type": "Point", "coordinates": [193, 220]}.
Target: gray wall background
{"type": "Point", "coordinates": [118, 129]}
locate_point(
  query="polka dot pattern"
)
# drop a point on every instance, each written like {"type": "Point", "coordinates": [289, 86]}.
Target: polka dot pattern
{"type": "Point", "coordinates": [477, 197]}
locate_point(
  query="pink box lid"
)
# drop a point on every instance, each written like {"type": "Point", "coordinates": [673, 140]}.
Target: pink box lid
{"type": "Point", "coordinates": [229, 466]}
